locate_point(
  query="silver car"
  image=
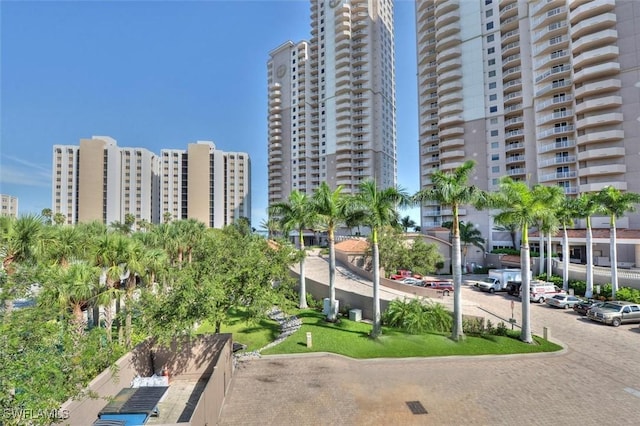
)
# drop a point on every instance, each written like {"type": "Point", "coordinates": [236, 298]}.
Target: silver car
{"type": "Point", "coordinates": [564, 301]}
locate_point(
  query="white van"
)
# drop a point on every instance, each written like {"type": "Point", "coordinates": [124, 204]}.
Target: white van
{"type": "Point", "coordinates": [539, 291]}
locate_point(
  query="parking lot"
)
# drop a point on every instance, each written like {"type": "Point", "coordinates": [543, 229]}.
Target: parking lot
{"type": "Point", "coordinates": [595, 380]}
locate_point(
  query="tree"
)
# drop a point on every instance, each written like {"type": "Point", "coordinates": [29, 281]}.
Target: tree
{"type": "Point", "coordinates": [59, 219]}
{"type": "Point", "coordinates": [470, 235]}
{"type": "Point", "coordinates": [167, 217]}
{"type": "Point", "coordinates": [378, 207]}
{"type": "Point", "coordinates": [270, 225]}
{"type": "Point", "coordinates": [565, 215]}
{"type": "Point", "coordinates": [332, 208]}
{"type": "Point", "coordinates": [451, 189]}
{"type": "Point", "coordinates": [586, 206]}
{"type": "Point", "coordinates": [47, 215]}
{"type": "Point", "coordinates": [524, 207]}
{"type": "Point", "coordinates": [512, 229]}
{"type": "Point", "coordinates": [548, 223]}
{"type": "Point", "coordinates": [298, 214]}
{"type": "Point", "coordinates": [615, 204]}
{"type": "Point", "coordinates": [407, 223]}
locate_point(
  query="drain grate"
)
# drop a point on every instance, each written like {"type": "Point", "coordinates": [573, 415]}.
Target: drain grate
{"type": "Point", "coordinates": [416, 407]}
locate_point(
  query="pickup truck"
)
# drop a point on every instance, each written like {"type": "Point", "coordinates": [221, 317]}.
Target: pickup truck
{"type": "Point", "coordinates": [445, 286]}
{"type": "Point", "coordinates": [403, 273]}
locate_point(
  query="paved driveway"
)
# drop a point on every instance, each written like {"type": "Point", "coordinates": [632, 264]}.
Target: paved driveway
{"type": "Point", "coordinates": [596, 380]}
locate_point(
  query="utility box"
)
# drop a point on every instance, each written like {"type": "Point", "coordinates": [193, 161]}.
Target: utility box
{"type": "Point", "coordinates": [326, 306]}
{"type": "Point", "coordinates": [355, 314]}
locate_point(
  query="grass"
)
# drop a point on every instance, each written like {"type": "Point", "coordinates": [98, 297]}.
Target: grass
{"type": "Point", "coordinates": [352, 339]}
{"type": "Point", "coordinates": [254, 334]}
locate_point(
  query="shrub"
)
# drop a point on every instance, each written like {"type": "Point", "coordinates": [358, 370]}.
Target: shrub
{"type": "Point", "coordinates": [553, 279]}
{"type": "Point", "coordinates": [313, 303]}
{"type": "Point", "coordinates": [473, 327]}
{"type": "Point", "coordinates": [579, 287]}
{"type": "Point", "coordinates": [416, 317]}
{"type": "Point", "coordinates": [628, 294]}
{"type": "Point", "coordinates": [501, 329]}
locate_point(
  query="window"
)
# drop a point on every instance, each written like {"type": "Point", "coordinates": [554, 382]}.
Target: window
{"type": "Point", "coordinates": [489, 13]}
{"type": "Point", "coordinates": [493, 97]}
{"type": "Point", "coordinates": [495, 157]}
{"type": "Point", "coordinates": [494, 145]}
{"type": "Point", "coordinates": [487, 2]}
{"type": "Point", "coordinates": [495, 169]}
{"type": "Point", "coordinates": [494, 133]}
{"type": "Point", "coordinates": [490, 38]}
{"type": "Point", "coordinates": [492, 85]}
{"type": "Point", "coordinates": [489, 26]}
{"type": "Point", "coordinates": [492, 62]}
{"type": "Point", "coordinates": [492, 73]}
{"type": "Point", "coordinates": [491, 50]}
{"type": "Point", "coordinates": [493, 121]}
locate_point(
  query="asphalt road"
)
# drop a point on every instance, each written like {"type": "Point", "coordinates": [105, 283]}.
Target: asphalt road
{"type": "Point", "coordinates": [594, 381]}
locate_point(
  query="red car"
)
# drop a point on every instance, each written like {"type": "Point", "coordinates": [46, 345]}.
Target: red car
{"type": "Point", "coordinates": [445, 286]}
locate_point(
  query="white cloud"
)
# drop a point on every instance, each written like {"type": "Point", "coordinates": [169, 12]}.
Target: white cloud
{"type": "Point", "coordinates": [24, 173]}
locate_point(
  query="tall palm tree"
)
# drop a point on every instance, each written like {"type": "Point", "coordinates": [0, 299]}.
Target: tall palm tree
{"type": "Point", "coordinates": [450, 189]}
{"type": "Point", "coordinates": [565, 215]}
{"type": "Point", "coordinates": [548, 223]}
{"type": "Point", "coordinates": [271, 226]}
{"type": "Point", "coordinates": [523, 206]}
{"type": "Point", "coordinates": [63, 244]}
{"type": "Point", "coordinates": [470, 236]}
{"type": "Point", "coordinates": [615, 203]}
{"type": "Point", "coordinates": [379, 209]}
{"type": "Point", "coordinates": [587, 206]}
{"type": "Point", "coordinates": [332, 209]}
{"type": "Point", "coordinates": [297, 213]}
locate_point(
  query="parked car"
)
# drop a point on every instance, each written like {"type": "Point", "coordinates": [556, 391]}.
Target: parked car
{"type": "Point", "coordinates": [583, 307]}
{"type": "Point", "coordinates": [404, 273]}
{"type": "Point", "coordinates": [410, 281]}
{"type": "Point", "coordinates": [564, 301]}
{"type": "Point", "coordinates": [615, 313]}
{"type": "Point", "coordinates": [445, 286]}
{"type": "Point", "coordinates": [539, 291]}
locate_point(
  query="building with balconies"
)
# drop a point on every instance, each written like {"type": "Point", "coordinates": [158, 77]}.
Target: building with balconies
{"type": "Point", "coordinates": [543, 90]}
{"type": "Point", "coordinates": [331, 109]}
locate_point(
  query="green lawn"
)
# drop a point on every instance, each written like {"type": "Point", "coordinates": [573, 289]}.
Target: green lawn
{"type": "Point", "coordinates": [351, 339]}
{"type": "Point", "coordinates": [255, 335]}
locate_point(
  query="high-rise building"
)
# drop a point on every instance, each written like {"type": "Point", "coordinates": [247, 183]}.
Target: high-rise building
{"type": "Point", "coordinates": [100, 181]}
{"type": "Point", "coordinates": [332, 110]}
{"type": "Point", "coordinates": [8, 205]}
{"type": "Point", "coordinates": [544, 91]}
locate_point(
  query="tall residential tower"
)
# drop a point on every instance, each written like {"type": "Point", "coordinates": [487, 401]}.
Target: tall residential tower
{"type": "Point", "coordinates": [546, 91]}
{"type": "Point", "coordinates": [332, 109]}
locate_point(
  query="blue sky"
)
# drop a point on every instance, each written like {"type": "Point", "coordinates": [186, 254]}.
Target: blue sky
{"type": "Point", "coordinates": [158, 75]}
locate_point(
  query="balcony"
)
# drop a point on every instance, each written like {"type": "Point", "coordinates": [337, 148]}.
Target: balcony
{"type": "Point", "coordinates": [604, 136]}
{"type": "Point", "coordinates": [451, 131]}
{"type": "Point", "coordinates": [449, 42]}
{"type": "Point", "coordinates": [513, 121]}
{"type": "Point", "coordinates": [592, 25]}
{"type": "Point", "coordinates": [600, 153]}
{"type": "Point", "coordinates": [516, 133]}
{"type": "Point", "coordinates": [595, 187]}
{"type": "Point", "coordinates": [601, 38]}
{"type": "Point", "coordinates": [509, 10]}
{"type": "Point", "coordinates": [609, 169]}
{"type": "Point", "coordinates": [549, 31]}
{"type": "Point", "coordinates": [512, 97]}
{"type": "Point", "coordinates": [557, 161]}
{"type": "Point", "coordinates": [554, 43]}
{"type": "Point", "coordinates": [511, 60]}
{"type": "Point", "coordinates": [599, 120]}
{"type": "Point", "coordinates": [513, 146]}
{"type": "Point", "coordinates": [512, 108]}
{"type": "Point", "coordinates": [559, 176]}
{"type": "Point", "coordinates": [556, 85]}
{"type": "Point", "coordinates": [554, 102]}
{"type": "Point", "coordinates": [445, 88]}
{"type": "Point", "coordinates": [447, 54]}
{"type": "Point", "coordinates": [443, 7]}
{"type": "Point", "coordinates": [447, 18]}
{"type": "Point", "coordinates": [544, 5]}
{"type": "Point", "coordinates": [588, 10]}
{"type": "Point", "coordinates": [559, 115]}
{"type": "Point", "coordinates": [510, 36]}
{"type": "Point", "coordinates": [450, 108]}
{"type": "Point", "coordinates": [512, 85]}
{"type": "Point", "coordinates": [556, 131]}
{"type": "Point", "coordinates": [551, 15]}
{"type": "Point", "coordinates": [516, 172]}
{"type": "Point", "coordinates": [509, 23]}
{"type": "Point", "coordinates": [450, 143]}
{"type": "Point", "coordinates": [598, 103]}
{"type": "Point", "coordinates": [596, 71]}
{"type": "Point", "coordinates": [515, 159]}
{"type": "Point", "coordinates": [598, 87]}
{"type": "Point", "coordinates": [552, 59]}
{"type": "Point", "coordinates": [556, 71]}
{"type": "Point", "coordinates": [451, 119]}
{"type": "Point", "coordinates": [447, 30]}
{"type": "Point", "coordinates": [511, 48]}
{"type": "Point", "coordinates": [451, 154]}
{"type": "Point", "coordinates": [569, 143]}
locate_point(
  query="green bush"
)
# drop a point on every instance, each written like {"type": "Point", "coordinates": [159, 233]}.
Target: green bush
{"type": "Point", "coordinates": [506, 251]}
{"type": "Point", "coordinates": [553, 279]}
{"type": "Point", "coordinates": [473, 327]}
{"type": "Point", "coordinates": [579, 287]}
{"type": "Point", "coordinates": [501, 329]}
{"type": "Point", "coordinates": [416, 316]}
{"type": "Point", "coordinates": [628, 294]}
{"type": "Point", "coordinates": [313, 303]}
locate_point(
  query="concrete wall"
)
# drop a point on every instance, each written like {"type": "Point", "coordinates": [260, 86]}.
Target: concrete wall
{"type": "Point", "coordinates": [208, 356]}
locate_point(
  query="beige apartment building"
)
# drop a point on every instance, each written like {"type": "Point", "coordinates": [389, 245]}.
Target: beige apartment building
{"type": "Point", "coordinates": [98, 180]}
{"type": "Point", "coordinates": [8, 205]}
{"type": "Point", "coordinates": [546, 91]}
{"type": "Point", "coordinates": [332, 108]}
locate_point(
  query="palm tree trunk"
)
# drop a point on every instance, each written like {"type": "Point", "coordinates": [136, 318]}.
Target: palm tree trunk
{"type": "Point", "coordinates": [303, 284]}
{"type": "Point", "coordinates": [457, 332]}
{"type": "Point", "coordinates": [613, 250]}
{"type": "Point", "coordinates": [541, 253]}
{"type": "Point", "coordinates": [108, 320]}
{"type": "Point", "coordinates": [525, 260]}
{"type": "Point", "coordinates": [549, 268]}
{"type": "Point", "coordinates": [589, 290]}
{"type": "Point", "coordinates": [565, 259]}
{"type": "Point", "coordinates": [377, 325]}
{"type": "Point", "coordinates": [332, 277]}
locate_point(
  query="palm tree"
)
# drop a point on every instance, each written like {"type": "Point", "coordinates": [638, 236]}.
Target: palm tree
{"type": "Point", "coordinates": [332, 209]}
{"type": "Point", "coordinates": [615, 203]}
{"type": "Point", "coordinates": [407, 223]}
{"type": "Point", "coordinates": [470, 235]}
{"type": "Point", "coordinates": [548, 223]}
{"type": "Point", "coordinates": [46, 215]}
{"type": "Point", "coordinates": [565, 215]}
{"type": "Point", "coordinates": [297, 213]}
{"type": "Point", "coordinates": [512, 229]}
{"type": "Point", "coordinates": [450, 189]}
{"type": "Point", "coordinates": [271, 226]}
{"type": "Point", "coordinates": [378, 206]}
{"type": "Point", "coordinates": [63, 244]}
{"type": "Point", "coordinates": [522, 206]}
{"type": "Point", "coordinates": [20, 242]}
{"type": "Point", "coordinates": [586, 206]}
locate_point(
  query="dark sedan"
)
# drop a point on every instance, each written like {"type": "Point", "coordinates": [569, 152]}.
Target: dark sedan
{"type": "Point", "coordinates": [583, 307]}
